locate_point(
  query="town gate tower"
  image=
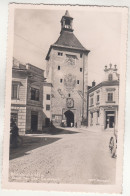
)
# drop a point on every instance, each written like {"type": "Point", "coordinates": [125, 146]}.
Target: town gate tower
{"type": "Point", "coordinates": [67, 70]}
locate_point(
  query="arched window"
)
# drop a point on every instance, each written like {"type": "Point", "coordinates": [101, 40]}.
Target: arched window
{"type": "Point", "coordinates": [110, 77]}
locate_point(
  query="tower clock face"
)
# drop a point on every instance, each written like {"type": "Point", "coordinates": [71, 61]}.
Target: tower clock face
{"type": "Point", "coordinates": [70, 61]}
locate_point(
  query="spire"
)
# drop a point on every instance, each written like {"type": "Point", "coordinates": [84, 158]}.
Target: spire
{"type": "Point", "coordinates": [67, 13]}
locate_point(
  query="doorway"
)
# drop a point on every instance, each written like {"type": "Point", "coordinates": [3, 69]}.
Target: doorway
{"type": "Point", "coordinates": [34, 121]}
{"type": "Point", "coordinates": [47, 122]}
{"type": "Point", "coordinates": [110, 119]}
{"type": "Point", "coordinates": [69, 118]}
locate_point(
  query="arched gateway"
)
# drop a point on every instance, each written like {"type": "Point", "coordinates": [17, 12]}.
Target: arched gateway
{"type": "Point", "coordinates": [69, 118]}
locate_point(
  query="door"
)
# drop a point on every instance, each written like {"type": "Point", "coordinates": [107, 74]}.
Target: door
{"type": "Point", "coordinates": [69, 118]}
{"type": "Point", "coordinates": [110, 119]}
{"type": "Point", "coordinates": [34, 121]}
{"type": "Point", "coordinates": [47, 122]}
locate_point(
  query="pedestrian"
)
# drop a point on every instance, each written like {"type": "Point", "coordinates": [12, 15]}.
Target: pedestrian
{"type": "Point", "coordinates": [71, 124]}
{"type": "Point", "coordinates": [14, 132]}
{"type": "Point", "coordinates": [76, 124]}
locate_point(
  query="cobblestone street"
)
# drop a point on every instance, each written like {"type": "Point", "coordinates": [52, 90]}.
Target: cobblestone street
{"type": "Point", "coordinates": [70, 156]}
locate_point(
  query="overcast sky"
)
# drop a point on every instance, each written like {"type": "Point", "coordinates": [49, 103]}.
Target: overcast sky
{"type": "Point", "coordinates": [99, 32]}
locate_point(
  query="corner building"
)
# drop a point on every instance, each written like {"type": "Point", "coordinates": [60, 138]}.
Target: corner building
{"type": "Point", "coordinates": [67, 71]}
{"type": "Point", "coordinates": [103, 100]}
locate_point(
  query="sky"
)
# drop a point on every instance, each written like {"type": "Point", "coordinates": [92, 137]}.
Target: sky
{"type": "Point", "coordinates": [98, 31]}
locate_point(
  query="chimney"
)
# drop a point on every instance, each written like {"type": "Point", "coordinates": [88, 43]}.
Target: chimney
{"type": "Point", "coordinates": [93, 83]}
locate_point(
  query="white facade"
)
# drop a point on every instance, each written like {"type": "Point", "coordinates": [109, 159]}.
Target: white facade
{"type": "Point", "coordinates": [103, 101]}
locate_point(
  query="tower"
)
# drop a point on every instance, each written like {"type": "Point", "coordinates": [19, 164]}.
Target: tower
{"type": "Point", "coordinates": [67, 70]}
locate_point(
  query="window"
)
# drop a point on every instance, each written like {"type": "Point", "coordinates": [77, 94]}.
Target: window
{"type": "Point", "coordinates": [91, 101]}
{"type": "Point", "coordinates": [110, 96]}
{"type": "Point", "coordinates": [110, 77]}
{"type": "Point", "coordinates": [98, 98]}
{"type": "Point", "coordinates": [47, 107]}
{"type": "Point", "coordinates": [81, 69]}
{"type": "Point", "coordinates": [61, 80]}
{"type": "Point", "coordinates": [34, 94]}
{"type": "Point", "coordinates": [58, 67]}
{"type": "Point", "coordinates": [69, 95]}
{"type": "Point", "coordinates": [60, 54]}
{"type": "Point", "coordinates": [77, 81]}
{"type": "Point", "coordinates": [15, 88]}
{"type": "Point", "coordinates": [47, 97]}
{"type": "Point", "coordinates": [81, 55]}
{"type": "Point", "coordinates": [91, 118]}
{"type": "Point", "coordinates": [97, 113]}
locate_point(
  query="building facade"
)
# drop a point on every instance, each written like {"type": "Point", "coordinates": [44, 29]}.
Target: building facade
{"type": "Point", "coordinates": [47, 104]}
{"type": "Point", "coordinates": [27, 97]}
{"type": "Point", "coordinates": [103, 100]}
{"type": "Point", "coordinates": [67, 70]}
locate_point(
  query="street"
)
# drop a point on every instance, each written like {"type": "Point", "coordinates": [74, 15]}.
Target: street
{"type": "Point", "coordinates": [75, 156]}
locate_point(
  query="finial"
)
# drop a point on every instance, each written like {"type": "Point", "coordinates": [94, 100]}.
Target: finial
{"type": "Point", "coordinates": [105, 67]}
{"type": "Point", "coordinates": [67, 13]}
{"type": "Point", "coordinates": [115, 66]}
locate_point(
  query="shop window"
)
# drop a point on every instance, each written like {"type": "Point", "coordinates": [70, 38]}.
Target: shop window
{"type": "Point", "coordinates": [47, 97]}
{"type": "Point", "coordinates": [110, 97]}
{"type": "Point", "coordinates": [91, 118]}
{"type": "Point", "coordinates": [34, 94]}
{"type": "Point", "coordinates": [47, 107]}
{"type": "Point", "coordinates": [15, 91]}
{"type": "Point", "coordinates": [98, 116]}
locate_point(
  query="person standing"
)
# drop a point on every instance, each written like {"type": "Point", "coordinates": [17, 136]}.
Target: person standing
{"type": "Point", "coordinates": [15, 134]}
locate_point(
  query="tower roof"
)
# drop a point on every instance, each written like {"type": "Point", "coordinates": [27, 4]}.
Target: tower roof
{"type": "Point", "coordinates": [68, 39]}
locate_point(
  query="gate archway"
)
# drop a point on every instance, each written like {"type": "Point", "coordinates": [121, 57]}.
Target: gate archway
{"type": "Point", "coordinates": [69, 118]}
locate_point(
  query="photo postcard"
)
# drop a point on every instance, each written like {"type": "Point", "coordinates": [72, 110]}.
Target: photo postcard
{"type": "Point", "coordinates": [65, 98]}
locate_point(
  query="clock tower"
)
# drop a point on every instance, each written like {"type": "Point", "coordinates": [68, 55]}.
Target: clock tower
{"type": "Point", "coordinates": [67, 71]}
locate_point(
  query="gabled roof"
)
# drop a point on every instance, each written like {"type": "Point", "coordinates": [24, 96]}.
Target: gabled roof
{"type": "Point", "coordinates": [67, 40]}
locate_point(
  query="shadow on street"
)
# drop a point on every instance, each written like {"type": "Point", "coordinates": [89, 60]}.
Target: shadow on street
{"type": "Point", "coordinates": [30, 143]}
{"type": "Point", "coordinates": [55, 131]}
